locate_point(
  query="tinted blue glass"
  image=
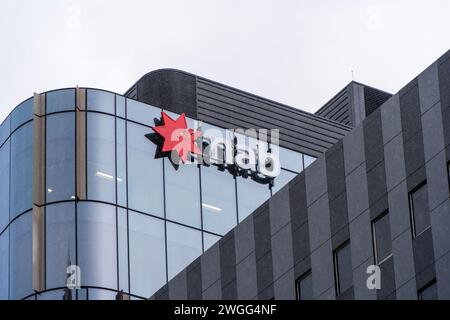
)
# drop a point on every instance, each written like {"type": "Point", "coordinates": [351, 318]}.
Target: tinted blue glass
{"type": "Point", "coordinates": [21, 257]}
{"type": "Point", "coordinates": [120, 106]}
{"type": "Point", "coordinates": [4, 130]}
{"type": "Point", "coordinates": [21, 169]}
{"type": "Point", "coordinates": [99, 294]}
{"type": "Point", "coordinates": [59, 242]}
{"type": "Point", "coordinates": [147, 254]}
{"type": "Point", "coordinates": [142, 113]}
{"type": "Point", "coordinates": [250, 195]}
{"type": "Point", "coordinates": [145, 173]}
{"type": "Point", "coordinates": [60, 100]}
{"type": "Point", "coordinates": [101, 157]}
{"type": "Point", "coordinates": [22, 113]}
{"type": "Point", "coordinates": [209, 240]}
{"type": "Point", "coordinates": [4, 264]}
{"type": "Point", "coordinates": [99, 100]}
{"type": "Point", "coordinates": [218, 200]}
{"type": "Point", "coordinates": [291, 160]}
{"type": "Point", "coordinates": [182, 193]}
{"type": "Point", "coordinates": [4, 186]}
{"type": "Point", "coordinates": [121, 163]}
{"type": "Point", "coordinates": [53, 295]}
{"type": "Point", "coordinates": [60, 157]}
{"type": "Point", "coordinates": [283, 179]}
{"type": "Point", "coordinates": [184, 245]}
{"type": "Point", "coordinates": [308, 160]}
{"type": "Point", "coordinates": [97, 254]}
{"type": "Point", "coordinates": [122, 240]}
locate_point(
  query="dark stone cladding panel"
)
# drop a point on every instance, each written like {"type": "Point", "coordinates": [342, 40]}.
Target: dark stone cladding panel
{"type": "Point", "coordinates": [337, 197]}
{"type": "Point", "coordinates": [228, 266]}
{"type": "Point", "coordinates": [194, 280]}
{"type": "Point", "coordinates": [444, 86]}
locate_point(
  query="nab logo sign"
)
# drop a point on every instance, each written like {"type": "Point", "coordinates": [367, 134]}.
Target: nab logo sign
{"type": "Point", "coordinates": [185, 145]}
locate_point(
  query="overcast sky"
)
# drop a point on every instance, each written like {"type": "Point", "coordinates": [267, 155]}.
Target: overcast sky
{"type": "Point", "coordinates": [297, 52]}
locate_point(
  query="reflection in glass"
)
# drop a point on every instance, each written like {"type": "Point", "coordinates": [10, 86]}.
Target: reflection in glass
{"type": "Point", "coordinates": [97, 254]}
{"type": "Point", "coordinates": [60, 100]}
{"type": "Point", "coordinates": [250, 196]}
{"type": "Point", "coordinates": [59, 242]}
{"type": "Point", "coordinates": [147, 254]}
{"type": "Point", "coordinates": [4, 186]}
{"type": "Point", "coordinates": [4, 264]}
{"type": "Point", "coordinates": [122, 240]}
{"type": "Point", "coordinates": [99, 294]}
{"type": "Point", "coordinates": [290, 160]}
{"type": "Point", "coordinates": [101, 157]}
{"type": "Point", "coordinates": [142, 113]}
{"type": "Point", "coordinates": [60, 157]}
{"type": "Point", "coordinates": [145, 173]}
{"type": "Point", "coordinates": [307, 160]}
{"type": "Point", "coordinates": [21, 169]}
{"type": "Point", "coordinates": [218, 200]}
{"type": "Point", "coordinates": [184, 245]}
{"type": "Point", "coordinates": [283, 179]}
{"type": "Point", "coordinates": [20, 255]}
{"type": "Point", "coordinates": [22, 113]}
{"type": "Point", "coordinates": [100, 100]}
{"type": "Point", "coordinates": [182, 193]}
{"type": "Point", "coordinates": [209, 239]}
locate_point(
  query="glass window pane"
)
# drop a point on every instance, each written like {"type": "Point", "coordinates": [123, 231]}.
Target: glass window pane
{"type": "Point", "coordinates": [283, 179]}
{"type": "Point", "coordinates": [22, 113]}
{"type": "Point", "coordinates": [4, 264]}
{"type": "Point", "coordinates": [97, 254]}
{"type": "Point", "coordinates": [52, 295]}
{"type": "Point", "coordinates": [147, 254]}
{"type": "Point", "coordinates": [307, 160]}
{"type": "Point", "coordinates": [121, 163]}
{"type": "Point", "coordinates": [343, 265]}
{"type": "Point", "coordinates": [218, 200]}
{"type": "Point", "coordinates": [120, 106]}
{"type": "Point", "coordinates": [100, 100]}
{"type": "Point", "coordinates": [304, 287]}
{"type": "Point", "coordinates": [251, 195]}
{"type": "Point", "coordinates": [99, 294]}
{"type": "Point", "coordinates": [4, 130]}
{"type": "Point", "coordinates": [20, 254]}
{"type": "Point", "coordinates": [209, 240]}
{"type": "Point", "coordinates": [60, 242]}
{"type": "Point", "coordinates": [419, 207]}
{"type": "Point", "coordinates": [122, 234]}
{"type": "Point", "coordinates": [60, 100]}
{"type": "Point", "coordinates": [145, 173]}
{"type": "Point", "coordinates": [60, 159]}
{"type": "Point", "coordinates": [101, 157]}
{"type": "Point", "coordinates": [184, 245]}
{"type": "Point", "coordinates": [290, 160]}
{"type": "Point", "coordinates": [382, 237]}
{"type": "Point", "coordinates": [4, 186]}
{"type": "Point", "coordinates": [182, 193]}
{"type": "Point", "coordinates": [142, 113]}
{"type": "Point", "coordinates": [21, 169]}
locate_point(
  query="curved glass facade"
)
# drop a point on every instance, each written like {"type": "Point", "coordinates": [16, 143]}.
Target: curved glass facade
{"type": "Point", "coordinates": [141, 220]}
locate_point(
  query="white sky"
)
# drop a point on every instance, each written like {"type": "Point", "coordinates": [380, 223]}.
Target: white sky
{"type": "Point", "coordinates": [297, 52]}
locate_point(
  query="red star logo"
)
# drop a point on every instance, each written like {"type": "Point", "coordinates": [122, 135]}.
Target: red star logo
{"type": "Point", "coordinates": [177, 137]}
